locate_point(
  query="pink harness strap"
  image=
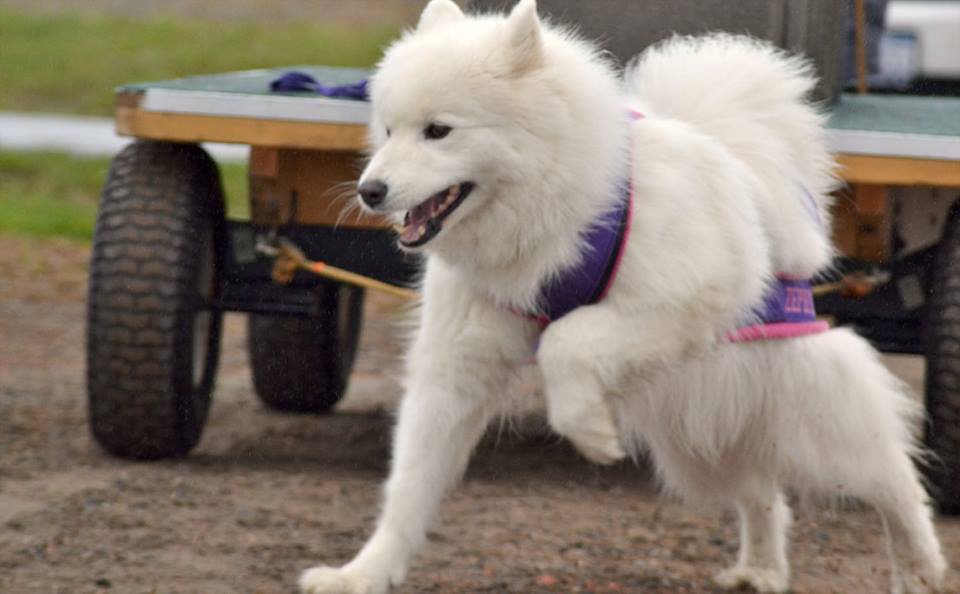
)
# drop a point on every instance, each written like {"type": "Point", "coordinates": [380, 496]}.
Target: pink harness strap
{"type": "Point", "coordinates": [776, 331]}
{"type": "Point", "coordinates": [787, 311]}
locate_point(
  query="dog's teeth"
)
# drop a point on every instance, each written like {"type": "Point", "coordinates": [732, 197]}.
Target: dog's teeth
{"type": "Point", "coordinates": [422, 230]}
{"type": "Point", "coordinates": [398, 228]}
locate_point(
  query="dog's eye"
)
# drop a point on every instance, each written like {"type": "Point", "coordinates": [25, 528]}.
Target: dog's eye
{"type": "Point", "coordinates": [436, 131]}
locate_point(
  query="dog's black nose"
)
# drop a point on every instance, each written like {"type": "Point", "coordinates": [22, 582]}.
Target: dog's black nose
{"type": "Point", "coordinates": [373, 192]}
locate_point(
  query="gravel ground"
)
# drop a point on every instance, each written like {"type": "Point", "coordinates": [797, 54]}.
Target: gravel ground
{"type": "Point", "coordinates": [266, 495]}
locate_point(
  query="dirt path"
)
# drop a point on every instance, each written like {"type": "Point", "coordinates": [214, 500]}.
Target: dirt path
{"type": "Point", "coordinates": [267, 495]}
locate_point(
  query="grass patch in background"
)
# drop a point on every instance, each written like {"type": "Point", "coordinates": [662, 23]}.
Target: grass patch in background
{"type": "Point", "coordinates": [72, 62]}
{"type": "Point", "coordinates": [56, 195]}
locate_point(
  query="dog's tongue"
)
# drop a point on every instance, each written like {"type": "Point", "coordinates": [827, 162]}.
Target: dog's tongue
{"type": "Point", "coordinates": [416, 221]}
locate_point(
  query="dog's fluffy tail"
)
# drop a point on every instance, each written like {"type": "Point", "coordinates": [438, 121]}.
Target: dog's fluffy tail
{"type": "Point", "coordinates": [754, 99]}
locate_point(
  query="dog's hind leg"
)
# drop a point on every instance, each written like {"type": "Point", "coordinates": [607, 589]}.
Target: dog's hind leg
{"type": "Point", "coordinates": [763, 512]}
{"type": "Point", "coordinates": [917, 563]}
{"type": "Point", "coordinates": [851, 438]}
{"type": "Point", "coordinates": [764, 528]}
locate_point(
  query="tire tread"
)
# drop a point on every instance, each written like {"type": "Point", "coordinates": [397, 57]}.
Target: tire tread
{"type": "Point", "coordinates": [157, 202]}
{"type": "Point", "coordinates": [942, 435]}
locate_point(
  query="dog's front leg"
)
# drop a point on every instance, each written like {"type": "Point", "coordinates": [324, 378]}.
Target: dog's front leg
{"type": "Point", "coordinates": [585, 355]}
{"type": "Point", "coordinates": [457, 370]}
{"type": "Point", "coordinates": [437, 428]}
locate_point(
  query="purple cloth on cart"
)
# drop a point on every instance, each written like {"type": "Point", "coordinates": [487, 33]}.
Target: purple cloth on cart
{"type": "Point", "coordinates": [301, 81]}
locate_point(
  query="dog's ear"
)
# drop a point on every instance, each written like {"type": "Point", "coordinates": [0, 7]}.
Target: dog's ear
{"type": "Point", "coordinates": [523, 36]}
{"type": "Point", "coordinates": [437, 13]}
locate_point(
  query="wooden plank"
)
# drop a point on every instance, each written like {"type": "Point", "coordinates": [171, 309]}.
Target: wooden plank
{"type": "Point", "coordinates": [128, 99]}
{"type": "Point", "coordinates": [272, 133]}
{"type": "Point", "coordinates": [861, 227]}
{"type": "Point", "coordinates": [873, 225]}
{"type": "Point", "coordinates": [264, 162]}
{"type": "Point", "coordinates": [309, 187]}
{"type": "Point", "coordinates": [844, 226]}
{"type": "Point", "coordinates": [899, 171]}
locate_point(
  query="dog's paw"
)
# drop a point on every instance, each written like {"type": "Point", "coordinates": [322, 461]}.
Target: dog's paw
{"type": "Point", "coordinates": [594, 435]}
{"type": "Point", "coordinates": [765, 581]}
{"type": "Point", "coordinates": [923, 574]}
{"type": "Point", "coordinates": [333, 580]}
{"type": "Point", "coordinates": [919, 582]}
{"type": "Point", "coordinates": [599, 449]}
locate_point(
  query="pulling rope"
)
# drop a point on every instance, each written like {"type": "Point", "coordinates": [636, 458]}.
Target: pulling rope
{"type": "Point", "coordinates": [856, 285]}
{"type": "Point", "coordinates": [289, 258]}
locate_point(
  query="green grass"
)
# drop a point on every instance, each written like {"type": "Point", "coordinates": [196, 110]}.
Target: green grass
{"type": "Point", "coordinates": [72, 63]}
{"type": "Point", "coordinates": [56, 195]}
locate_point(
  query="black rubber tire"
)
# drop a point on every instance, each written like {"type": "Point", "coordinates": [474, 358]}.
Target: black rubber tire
{"type": "Point", "coordinates": [152, 341]}
{"type": "Point", "coordinates": [303, 364]}
{"type": "Point", "coordinates": [942, 327]}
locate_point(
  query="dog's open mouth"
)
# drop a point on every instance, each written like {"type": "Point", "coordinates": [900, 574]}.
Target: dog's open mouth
{"type": "Point", "coordinates": [424, 221]}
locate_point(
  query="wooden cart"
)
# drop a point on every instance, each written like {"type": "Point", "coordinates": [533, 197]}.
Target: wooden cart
{"type": "Point", "coordinates": [167, 263]}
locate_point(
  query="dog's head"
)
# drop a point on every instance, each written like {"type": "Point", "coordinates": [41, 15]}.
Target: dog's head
{"type": "Point", "coordinates": [480, 123]}
{"type": "Point", "coordinates": [444, 127]}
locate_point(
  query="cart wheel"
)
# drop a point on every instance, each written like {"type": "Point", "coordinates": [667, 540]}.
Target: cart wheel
{"type": "Point", "coordinates": [152, 341]}
{"type": "Point", "coordinates": [943, 370]}
{"type": "Point", "coordinates": [302, 364]}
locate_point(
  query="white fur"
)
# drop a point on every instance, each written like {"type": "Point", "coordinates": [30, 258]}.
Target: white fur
{"type": "Point", "coordinates": [718, 165]}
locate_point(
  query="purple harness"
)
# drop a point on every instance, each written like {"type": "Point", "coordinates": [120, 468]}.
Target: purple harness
{"type": "Point", "coordinates": [588, 281]}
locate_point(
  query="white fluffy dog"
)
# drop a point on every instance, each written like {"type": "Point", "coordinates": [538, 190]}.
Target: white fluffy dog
{"type": "Point", "coordinates": [499, 142]}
